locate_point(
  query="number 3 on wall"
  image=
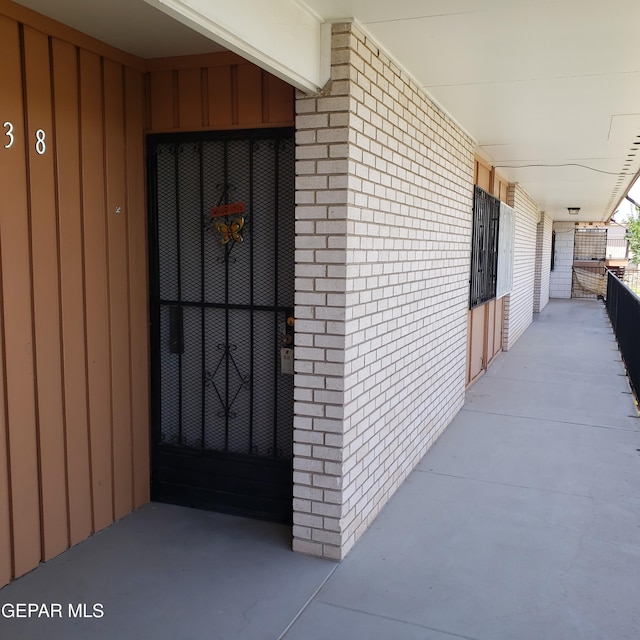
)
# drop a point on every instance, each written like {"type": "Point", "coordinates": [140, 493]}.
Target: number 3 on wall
{"type": "Point", "coordinates": [9, 134]}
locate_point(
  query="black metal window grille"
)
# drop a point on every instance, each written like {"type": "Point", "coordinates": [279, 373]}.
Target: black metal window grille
{"type": "Point", "coordinates": [484, 248]}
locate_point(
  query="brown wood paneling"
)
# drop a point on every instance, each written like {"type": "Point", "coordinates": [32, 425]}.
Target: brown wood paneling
{"type": "Point", "coordinates": [46, 300]}
{"type": "Point", "coordinates": [500, 187]}
{"type": "Point", "coordinates": [161, 100]}
{"type": "Point", "coordinates": [65, 87]}
{"type": "Point", "coordinates": [5, 513]}
{"type": "Point", "coordinates": [96, 293]}
{"type": "Point", "coordinates": [73, 272]}
{"type": "Point", "coordinates": [138, 285]}
{"type": "Point", "coordinates": [17, 311]}
{"type": "Point", "coordinates": [477, 324]}
{"type": "Point", "coordinates": [279, 100]}
{"type": "Point", "coordinates": [215, 92]}
{"type": "Point", "coordinates": [491, 318]}
{"type": "Point", "coordinates": [190, 98]}
{"type": "Point", "coordinates": [220, 97]}
{"type": "Point", "coordinates": [249, 95]}
{"type": "Point", "coordinates": [498, 326]}
{"type": "Point", "coordinates": [118, 261]}
{"type": "Point", "coordinates": [483, 175]}
{"type": "Point", "coordinates": [8, 53]}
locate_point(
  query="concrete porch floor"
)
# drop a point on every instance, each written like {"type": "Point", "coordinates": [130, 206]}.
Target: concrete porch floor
{"type": "Point", "coordinates": [522, 522]}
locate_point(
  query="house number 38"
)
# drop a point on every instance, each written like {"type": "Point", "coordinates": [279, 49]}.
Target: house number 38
{"type": "Point", "coordinates": [41, 145]}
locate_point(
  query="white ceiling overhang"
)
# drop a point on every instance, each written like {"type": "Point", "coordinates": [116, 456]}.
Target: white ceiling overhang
{"type": "Point", "coordinates": [549, 89]}
{"type": "Point", "coordinates": [282, 36]}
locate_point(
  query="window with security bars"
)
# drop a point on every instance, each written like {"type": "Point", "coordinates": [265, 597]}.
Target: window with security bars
{"type": "Point", "coordinates": [484, 248]}
{"type": "Point", "coordinates": [590, 244]}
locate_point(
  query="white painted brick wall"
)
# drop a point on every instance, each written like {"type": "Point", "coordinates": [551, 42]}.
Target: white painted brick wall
{"type": "Point", "coordinates": [382, 257]}
{"type": "Point", "coordinates": [560, 277]}
{"type": "Point", "coordinates": [518, 306]}
{"type": "Point", "coordinates": [543, 263]}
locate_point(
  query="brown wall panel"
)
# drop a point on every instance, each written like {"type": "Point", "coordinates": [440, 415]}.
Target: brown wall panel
{"type": "Point", "coordinates": [500, 187]}
{"type": "Point", "coordinates": [74, 421]}
{"type": "Point", "coordinates": [96, 287]}
{"type": "Point", "coordinates": [138, 284]}
{"type": "Point", "coordinates": [279, 100]}
{"type": "Point", "coordinates": [118, 261]}
{"type": "Point", "coordinates": [249, 95]}
{"type": "Point", "coordinates": [7, 43]}
{"type": "Point", "coordinates": [161, 100]}
{"type": "Point", "coordinates": [498, 327]}
{"type": "Point", "coordinates": [220, 96]}
{"type": "Point", "coordinates": [477, 326]}
{"type": "Point", "coordinates": [5, 512]}
{"type": "Point", "coordinates": [65, 88]}
{"type": "Point", "coordinates": [226, 92]}
{"type": "Point", "coordinates": [190, 98]}
{"type": "Point", "coordinates": [491, 319]}
{"type": "Point", "coordinates": [46, 300]}
{"type": "Point", "coordinates": [483, 176]}
{"type": "Point", "coordinates": [17, 311]}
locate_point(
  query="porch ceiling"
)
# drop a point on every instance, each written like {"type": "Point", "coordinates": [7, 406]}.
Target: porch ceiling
{"type": "Point", "coordinates": [554, 85]}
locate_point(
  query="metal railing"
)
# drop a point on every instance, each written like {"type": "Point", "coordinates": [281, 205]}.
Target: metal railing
{"type": "Point", "coordinates": [623, 307]}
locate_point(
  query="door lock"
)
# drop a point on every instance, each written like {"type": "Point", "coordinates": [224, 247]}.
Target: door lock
{"type": "Point", "coordinates": [286, 352]}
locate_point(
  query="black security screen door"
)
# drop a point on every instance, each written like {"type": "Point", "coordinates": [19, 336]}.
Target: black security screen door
{"type": "Point", "coordinates": [222, 243]}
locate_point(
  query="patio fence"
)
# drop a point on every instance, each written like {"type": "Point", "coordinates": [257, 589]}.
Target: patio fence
{"type": "Point", "coordinates": [623, 307]}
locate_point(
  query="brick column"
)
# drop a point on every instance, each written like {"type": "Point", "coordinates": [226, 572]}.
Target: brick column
{"type": "Point", "coordinates": [321, 229]}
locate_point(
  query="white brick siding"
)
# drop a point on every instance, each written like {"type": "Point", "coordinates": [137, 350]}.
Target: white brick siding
{"type": "Point", "coordinates": [384, 193]}
{"type": "Point", "coordinates": [560, 278]}
{"type": "Point", "coordinates": [543, 263]}
{"type": "Point", "coordinates": [518, 306]}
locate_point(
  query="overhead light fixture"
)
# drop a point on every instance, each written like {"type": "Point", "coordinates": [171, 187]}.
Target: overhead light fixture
{"type": "Point", "coordinates": [573, 211]}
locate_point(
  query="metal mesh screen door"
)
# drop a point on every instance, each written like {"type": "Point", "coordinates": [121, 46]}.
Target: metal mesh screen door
{"type": "Point", "coordinates": [222, 243]}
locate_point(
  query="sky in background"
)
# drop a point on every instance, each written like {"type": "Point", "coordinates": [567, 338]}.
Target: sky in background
{"type": "Point", "coordinates": [626, 209]}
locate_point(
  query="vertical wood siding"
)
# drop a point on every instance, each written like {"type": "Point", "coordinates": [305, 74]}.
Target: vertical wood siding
{"type": "Point", "coordinates": [74, 392]}
{"type": "Point", "coordinates": [20, 407]}
{"type": "Point", "coordinates": [217, 91]}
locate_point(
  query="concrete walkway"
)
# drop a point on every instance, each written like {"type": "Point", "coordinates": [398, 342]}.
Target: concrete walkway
{"type": "Point", "coordinates": [522, 522]}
